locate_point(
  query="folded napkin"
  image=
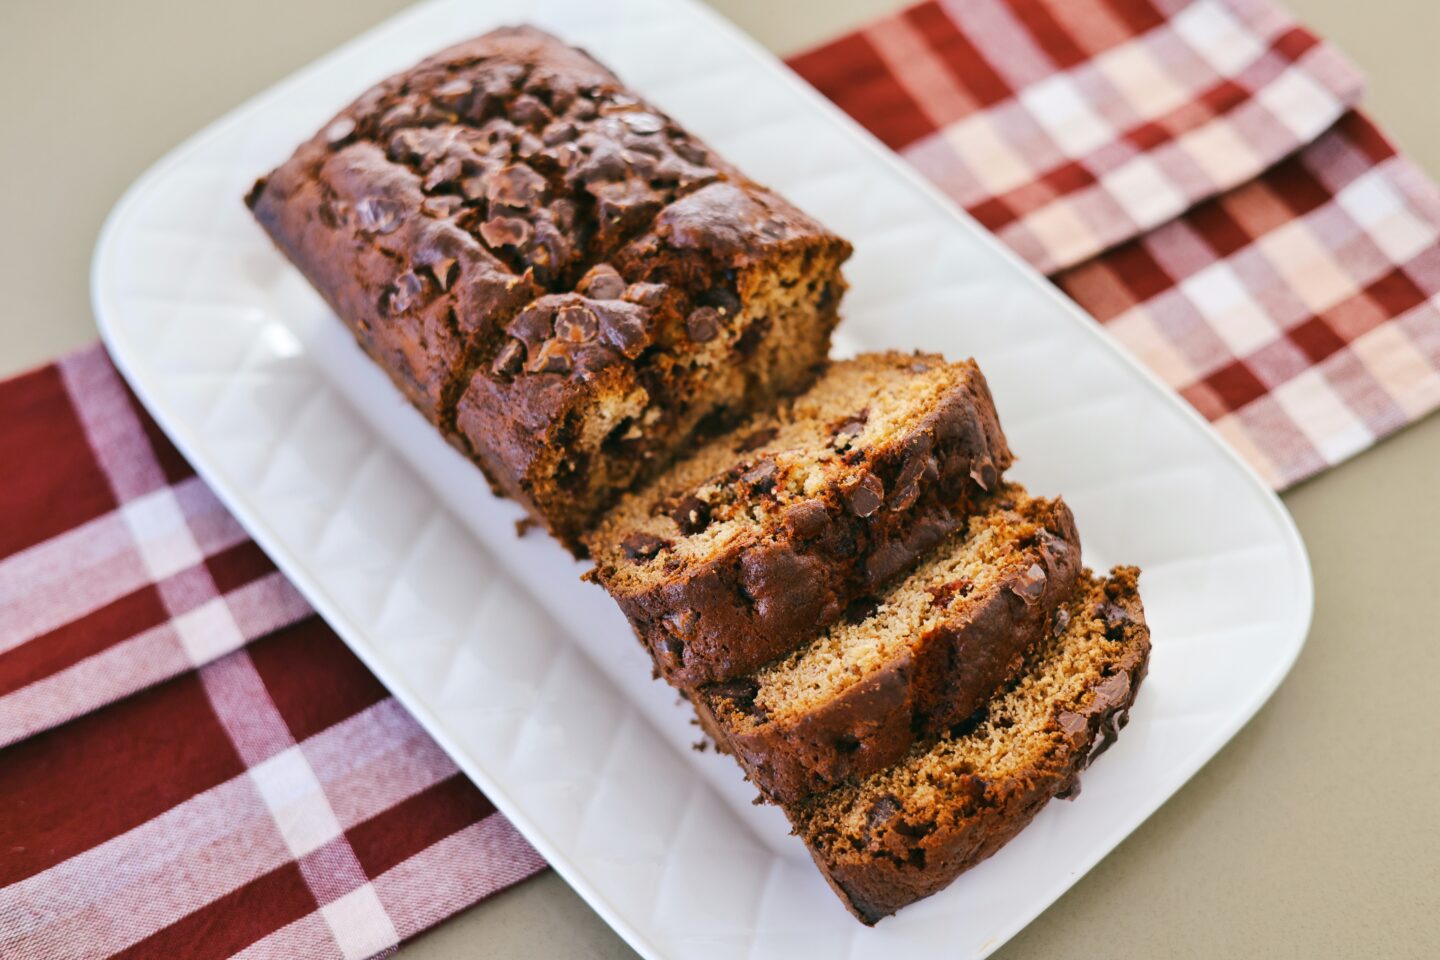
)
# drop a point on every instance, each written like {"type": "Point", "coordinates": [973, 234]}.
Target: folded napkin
{"type": "Point", "coordinates": [1136, 151]}
{"type": "Point", "coordinates": [275, 800]}
{"type": "Point", "coordinates": [194, 765]}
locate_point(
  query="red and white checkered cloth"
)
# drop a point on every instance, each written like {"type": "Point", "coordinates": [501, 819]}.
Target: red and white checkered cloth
{"type": "Point", "coordinates": [192, 764]}
{"type": "Point", "coordinates": [275, 802]}
{"type": "Point", "coordinates": [1135, 151]}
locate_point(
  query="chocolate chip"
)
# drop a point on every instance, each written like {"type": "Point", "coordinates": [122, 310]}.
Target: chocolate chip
{"type": "Point", "coordinates": [505, 232]}
{"type": "Point", "coordinates": [340, 132]}
{"type": "Point", "coordinates": [446, 171]}
{"type": "Point", "coordinates": [643, 546]}
{"type": "Point", "coordinates": [576, 324]}
{"type": "Point", "coordinates": [762, 475]}
{"type": "Point", "coordinates": [861, 609]}
{"type": "Point", "coordinates": [740, 692]}
{"type": "Point", "coordinates": [1030, 585]}
{"type": "Point", "coordinates": [691, 151]}
{"type": "Point", "coordinates": [691, 515]}
{"type": "Point", "coordinates": [920, 468]}
{"type": "Point", "coordinates": [454, 95]}
{"type": "Point", "coordinates": [882, 810]}
{"type": "Point", "coordinates": [1072, 725]}
{"type": "Point", "coordinates": [529, 111]}
{"type": "Point", "coordinates": [757, 439]}
{"type": "Point", "coordinates": [1111, 692]}
{"type": "Point", "coordinates": [400, 115]}
{"type": "Point", "coordinates": [643, 123]}
{"type": "Point", "coordinates": [602, 282]}
{"type": "Point", "coordinates": [552, 357]}
{"type": "Point", "coordinates": [703, 324]}
{"type": "Point", "coordinates": [625, 330]}
{"type": "Point", "coordinates": [443, 206]}
{"type": "Point", "coordinates": [515, 186]}
{"type": "Point", "coordinates": [808, 519]}
{"type": "Point", "coordinates": [558, 133]}
{"type": "Point", "coordinates": [406, 290]}
{"type": "Point", "coordinates": [509, 360]}
{"type": "Point", "coordinates": [1114, 615]}
{"type": "Point", "coordinates": [725, 300]}
{"type": "Point", "coordinates": [379, 215]}
{"type": "Point", "coordinates": [982, 471]}
{"type": "Point", "coordinates": [866, 495]}
{"type": "Point", "coordinates": [851, 426]}
{"type": "Point", "coordinates": [648, 295]}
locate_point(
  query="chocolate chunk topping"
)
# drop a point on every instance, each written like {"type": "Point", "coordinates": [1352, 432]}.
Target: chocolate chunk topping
{"type": "Point", "coordinates": [703, 324]}
{"type": "Point", "coordinates": [509, 360]}
{"type": "Point", "coordinates": [379, 215]}
{"type": "Point", "coordinates": [866, 495]}
{"type": "Point", "coordinates": [1030, 585]}
{"type": "Point", "coordinates": [602, 282]}
{"type": "Point", "coordinates": [757, 439]}
{"type": "Point", "coordinates": [643, 123]}
{"type": "Point", "coordinates": [444, 206]}
{"type": "Point", "coordinates": [515, 186]}
{"type": "Point", "coordinates": [576, 324]}
{"type": "Point", "coordinates": [691, 515]}
{"type": "Point", "coordinates": [643, 546]}
{"type": "Point", "coordinates": [444, 271]}
{"type": "Point", "coordinates": [552, 357]}
{"type": "Point", "coordinates": [648, 295]}
{"type": "Point", "coordinates": [808, 519]}
{"type": "Point", "coordinates": [505, 232]}
{"type": "Point", "coordinates": [340, 132]}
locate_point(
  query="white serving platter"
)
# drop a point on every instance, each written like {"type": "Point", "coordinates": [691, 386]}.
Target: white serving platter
{"type": "Point", "coordinates": [529, 678]}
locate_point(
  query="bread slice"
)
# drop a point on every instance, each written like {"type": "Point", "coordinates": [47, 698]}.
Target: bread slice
{"type": "Point", "coordinates": [930, 652]}
{"type": "Point", "coordinates": [907, 832]}
{"type": "Point", "coordinates": [767, 534]}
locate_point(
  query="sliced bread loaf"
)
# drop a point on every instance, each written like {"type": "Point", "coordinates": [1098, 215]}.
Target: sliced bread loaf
{"type": "Point", "coordinates": [926, 654]}
{"type": "Point", "coordinates": [765, 535]}
{"type": "Point", "coordinates": [907, 832]}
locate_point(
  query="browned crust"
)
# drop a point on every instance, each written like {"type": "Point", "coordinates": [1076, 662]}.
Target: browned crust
{"type": "Point", "coordinates": [754, 602]}
{"type": "Point", "coordinates": [439, 335]}
{"type": "Point", "coordinates": [926, 689]}
{"type": "Point", "coordinates": [875, 886]}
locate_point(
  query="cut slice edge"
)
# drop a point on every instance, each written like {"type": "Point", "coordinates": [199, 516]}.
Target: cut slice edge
{"type": "Point", "coordinates": [906, 832]}
{"type": "Point", "coordinates": [934, 648]}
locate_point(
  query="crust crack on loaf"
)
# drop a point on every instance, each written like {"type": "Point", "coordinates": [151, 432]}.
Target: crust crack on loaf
{"type": "Point", "coordinates": [562, 279]}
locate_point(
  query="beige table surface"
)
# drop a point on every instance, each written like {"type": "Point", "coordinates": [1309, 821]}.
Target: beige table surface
{"type": "Point", "coordinates": [1313, 834]}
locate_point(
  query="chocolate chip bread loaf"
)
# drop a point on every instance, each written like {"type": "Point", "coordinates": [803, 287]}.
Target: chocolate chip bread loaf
{"type": "Point", "coordinates": [922, 656]}
{"type": "Point", "coordinates": [564, 281]}
{"type": "Point", "coordinates": [765, 536]}
{"type": "Point", "coordinates": [906, 832]}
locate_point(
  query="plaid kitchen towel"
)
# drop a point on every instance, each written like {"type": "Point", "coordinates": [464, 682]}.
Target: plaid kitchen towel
{"type": "Point", "coordinates": [1191, 172]}
{"type": "Point", "coordinates": [231, 780]}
